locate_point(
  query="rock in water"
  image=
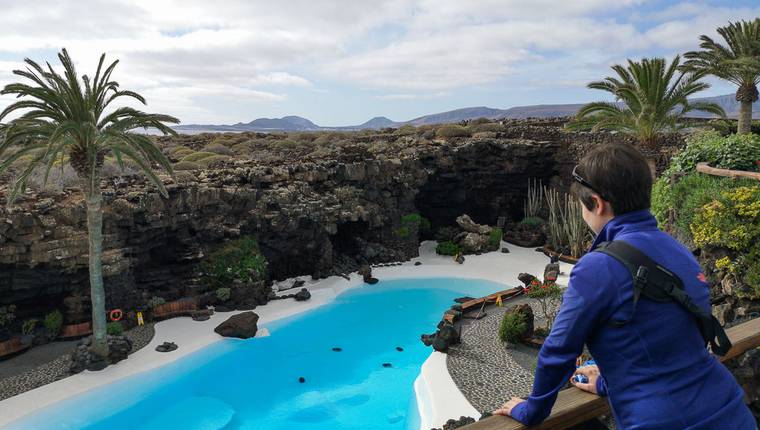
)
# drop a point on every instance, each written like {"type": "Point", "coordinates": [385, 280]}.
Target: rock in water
{"type": "Point", "coordinates": [371, 281]}
{"type": "Point", "coordinates": [241, 326]}
{"type": "Point", "coordinates": [302, 295]}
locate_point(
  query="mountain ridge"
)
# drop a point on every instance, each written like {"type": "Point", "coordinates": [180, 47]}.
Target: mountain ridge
{"type": "Point", "coordinates": [297, 123]}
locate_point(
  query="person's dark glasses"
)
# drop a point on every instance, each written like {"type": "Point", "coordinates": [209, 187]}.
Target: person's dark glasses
{"type": "Point", "coordinates": [579, 179]}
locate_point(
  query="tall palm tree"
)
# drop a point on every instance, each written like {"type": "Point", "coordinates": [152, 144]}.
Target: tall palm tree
{"type": "Point", "coordinates": [652, 99]}
{"type": "Point", "coordinates": [738, 62]}
{"type": "Point", "coordinates": [62, 119]}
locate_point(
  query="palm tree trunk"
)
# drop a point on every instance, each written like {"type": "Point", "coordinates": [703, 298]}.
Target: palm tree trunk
{"type": "Point", "coordinates": [745, 117]}
{"type": "Point", "coordinates": [97, 293]}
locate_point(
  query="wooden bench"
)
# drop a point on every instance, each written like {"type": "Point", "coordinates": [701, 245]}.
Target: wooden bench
{"type": "Point", "coordinates": [574, 406]}
{"type": "Point", "coordinates": [182, 307]}
{"type": "Point", "coordinates": [491, 298]}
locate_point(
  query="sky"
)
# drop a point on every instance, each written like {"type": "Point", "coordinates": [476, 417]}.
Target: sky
{"type": "Point", "coordinates": [344, 62]}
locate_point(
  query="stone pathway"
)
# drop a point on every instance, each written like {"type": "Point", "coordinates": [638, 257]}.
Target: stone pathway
{"type": "Point", "coordinates": [18, 379]}
{"type": "Point", "coordinates": [487, 371]}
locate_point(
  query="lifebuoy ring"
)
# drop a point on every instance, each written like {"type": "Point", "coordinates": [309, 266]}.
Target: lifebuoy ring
{"type": "Point", "coordinates": [116, 315]}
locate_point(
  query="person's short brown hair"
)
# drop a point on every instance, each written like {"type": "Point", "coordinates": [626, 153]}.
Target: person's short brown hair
{"type": "Point", "coordinates": [619, 174]}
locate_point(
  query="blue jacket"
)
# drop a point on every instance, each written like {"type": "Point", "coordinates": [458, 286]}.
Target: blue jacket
{"type": "Point", "coordinates": [656, 369]}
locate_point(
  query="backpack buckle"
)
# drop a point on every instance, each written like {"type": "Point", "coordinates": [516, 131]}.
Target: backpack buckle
{"type": "Point", "coordinates": [642, 276]}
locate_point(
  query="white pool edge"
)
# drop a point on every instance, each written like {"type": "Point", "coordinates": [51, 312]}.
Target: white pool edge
{"type": "Point", "coordinates": [438, 398]}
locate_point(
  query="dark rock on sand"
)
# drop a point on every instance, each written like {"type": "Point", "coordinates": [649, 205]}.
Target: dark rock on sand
{"type": "Point", "coordinates": [242, 326]}
{"type": "Point", "coordinates": [167, 347]}
{"type": "Point", "coordinates": [302, 295]}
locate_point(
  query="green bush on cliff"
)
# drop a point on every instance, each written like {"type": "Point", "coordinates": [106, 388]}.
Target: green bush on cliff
{"type": "Point", "coordinates": [448, 248]}
{"type": "Point", "coordinates": [413, 221]}
{"type": "Point", "coordinates": [186, 165]}
{"type": "Point", "coordinates": [197, 156]}
{"type": "Point", "coordinates": [449, 131]}
{"type": "Point", "coordinates": [53, 322]}
{"type": "Point", "coordinates": [732, 220]}
{"type": "Point", "coordinates": [238, 259]}
{"type": "Point", "coordinates": [736, 152]}
{"type": "Point", "coordinates": [676, 201]}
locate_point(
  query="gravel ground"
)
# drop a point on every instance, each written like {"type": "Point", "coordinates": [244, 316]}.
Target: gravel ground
{"type": "Point", "coordinates": [487, 371]}
{"type": "Point", "coordinates": [49, 363]}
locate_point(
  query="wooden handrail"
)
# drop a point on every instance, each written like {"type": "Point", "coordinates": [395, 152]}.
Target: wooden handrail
{"type": "Point", "coordinates": [727, 173]}
{"type": "Point", "coordinates": [574, 406]}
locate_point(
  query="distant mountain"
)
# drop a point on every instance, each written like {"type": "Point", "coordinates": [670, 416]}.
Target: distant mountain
{"type": "Point", "coordinates": [297, 123]}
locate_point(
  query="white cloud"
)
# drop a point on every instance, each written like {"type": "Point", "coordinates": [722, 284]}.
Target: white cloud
{"type": "Point", "coordinates": [220, 60]}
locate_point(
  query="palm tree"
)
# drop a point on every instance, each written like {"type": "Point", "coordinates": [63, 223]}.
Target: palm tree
{"type": "Point", "coordinates": [738, 62]}
{"type": "Point", "coordinates": [64, 120]}
{"type": "Point", "coordinates": [652, 99]}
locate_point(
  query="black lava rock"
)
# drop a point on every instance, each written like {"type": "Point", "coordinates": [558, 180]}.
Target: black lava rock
{"type": "Point", "coordinates": [418, 263]}
{"type": "Point", "coordinates": [399, 349]}
{"type": "Point", "coordinates": [302, 295]}
{"type": "Point", "coordinates": [387, 365]}
{"type": "Point", "coordinates": [242, 326]}
{"type": "Point", "coordinates": [337, 349]}
{"type": "Point", "coordinates": [301, 379]}
{"type": "Point", "coordinates": [167, 347]}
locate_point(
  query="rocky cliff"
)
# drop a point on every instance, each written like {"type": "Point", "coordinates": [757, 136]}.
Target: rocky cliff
{"type": "Point", "coordinates": [313, 217]}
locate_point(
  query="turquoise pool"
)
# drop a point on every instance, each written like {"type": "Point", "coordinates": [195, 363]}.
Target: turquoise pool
{"type": "Point", "coordinates": [254, 384]}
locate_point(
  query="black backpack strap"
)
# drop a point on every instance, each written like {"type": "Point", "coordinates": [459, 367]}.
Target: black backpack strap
{"type": "Point", "coordinates": [661, 285]}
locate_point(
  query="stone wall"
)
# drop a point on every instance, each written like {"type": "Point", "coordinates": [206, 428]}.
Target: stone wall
{"type": "Point", "coordinates": [311, 218]}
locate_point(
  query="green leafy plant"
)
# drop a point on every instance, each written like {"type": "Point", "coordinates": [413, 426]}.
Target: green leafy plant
{"type": "Point", "coordinates": [548, 295]}
{"type": "Point", "coordinates": [448, 248]}
{"type": "Point", "coordinates": [223, 294]}
{"type": "Point", "coordinates": [736, 152]}
{"type": "Point", "coordinates": [494, 238]}
{"type": "Point", "coordinates": [449, 131]}
{"type": "Point", "coordinates": [155, 301]}
{"type": "Point", "coordinates": [654, 98]}
{"type": "Point", "coordinates": [28, 326]}
{"type": "Point", "coordinates": [732, 221]}
{"type": "Point", "coordinates": [736, 61]}
{"type": "Point", "coordinates": [7, 315]}
{"type": "Point", "coordinates": [238, 259]}
{"type": "Point", "coordinates": [533, 221]}
{"type": "Point", "coordinates": [568, 232]}
{"type": "Point", "coordinates": [53, 322]}
{"type": "Point", "coordinates": [114, 328]}
{"type": "Point", "coordinates": [513, 326]}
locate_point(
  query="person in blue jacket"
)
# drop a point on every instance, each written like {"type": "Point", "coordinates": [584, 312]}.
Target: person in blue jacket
{"type": "Point", "coordinates": [655, 369]}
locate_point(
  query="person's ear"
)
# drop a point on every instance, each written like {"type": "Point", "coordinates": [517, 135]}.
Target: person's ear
{"type": "Point", "coordinates": [599, 208]}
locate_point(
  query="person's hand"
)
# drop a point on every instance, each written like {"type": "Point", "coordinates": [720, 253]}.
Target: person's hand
{"type": "Point", "coordinates": [506, 410]}
{"type": "Point", "coordinates": [590, 372]}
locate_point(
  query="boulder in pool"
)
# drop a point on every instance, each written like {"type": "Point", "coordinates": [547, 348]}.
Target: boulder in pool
{"type": "Point", "coordinates": [241, 326]}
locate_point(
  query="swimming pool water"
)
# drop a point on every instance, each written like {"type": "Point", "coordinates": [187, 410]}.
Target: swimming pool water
{"type": "Point", "coordinates": [254, 384]}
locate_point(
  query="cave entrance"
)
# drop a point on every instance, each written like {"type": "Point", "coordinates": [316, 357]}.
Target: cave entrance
{"type": "Point", "coordinates": [344, 241]}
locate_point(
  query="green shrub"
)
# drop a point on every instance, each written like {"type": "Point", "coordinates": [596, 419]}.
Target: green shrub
{"type": "Point", "coordinates": [155, 301]}
{"type": "Point", "coordinates": [736, 152]}
{"type": "Point", "coordinates": [548, 296]}
{"type": "Point", "coordinates": [732, 221]}
{"type": "Point", "coordinates": [114, 328]}
{"type": "Point", "coordinates": [53, 322]}
{"type": "Point", "coordinates": [680, 200]}
{"type": "Point", "coordinates": [223, 294]}
{"type": "Point", "coordinates": [186, 165]}
{"type": "Point", "coordinates": [532, 221]}
{"type": "Point", "coordinates": [218, 148]}
{"type": "Point", "coordinates": [494, 238]}
{"type": "Point", "coordinates": [413, 221]}
{"type": "Point", "coordinates": [487, 127]}
{"type": "Point", "coordinates": [180, 151]}
{"type": "Point", "coordinates": [238, 259]}
{"type": "Point", "coordinates": [243, 148]}
{"type": "Point", "coordinates": [513, 326]}
{"type": "Point", "coordinates": [448, 248]}
{"type": "Point", "coordinates": [28, 327]}
{"type": "Point", "coordinates": [406, 130]}
{"type": "Point", "coordinates": [449, 131]}
{"type": "Point", "coordinates": [7, 315]}
{"type": "Point", "coordinates": [213, 161]}
{"type": "Point", "coordinates": [197, 156]}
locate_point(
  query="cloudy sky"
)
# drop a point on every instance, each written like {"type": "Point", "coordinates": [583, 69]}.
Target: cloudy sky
{"type": "Point", "coordinates": [343, 62]}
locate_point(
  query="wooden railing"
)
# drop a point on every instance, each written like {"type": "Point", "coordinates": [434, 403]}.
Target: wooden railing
{"type": "Point", "coordinates": [574, 406]}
